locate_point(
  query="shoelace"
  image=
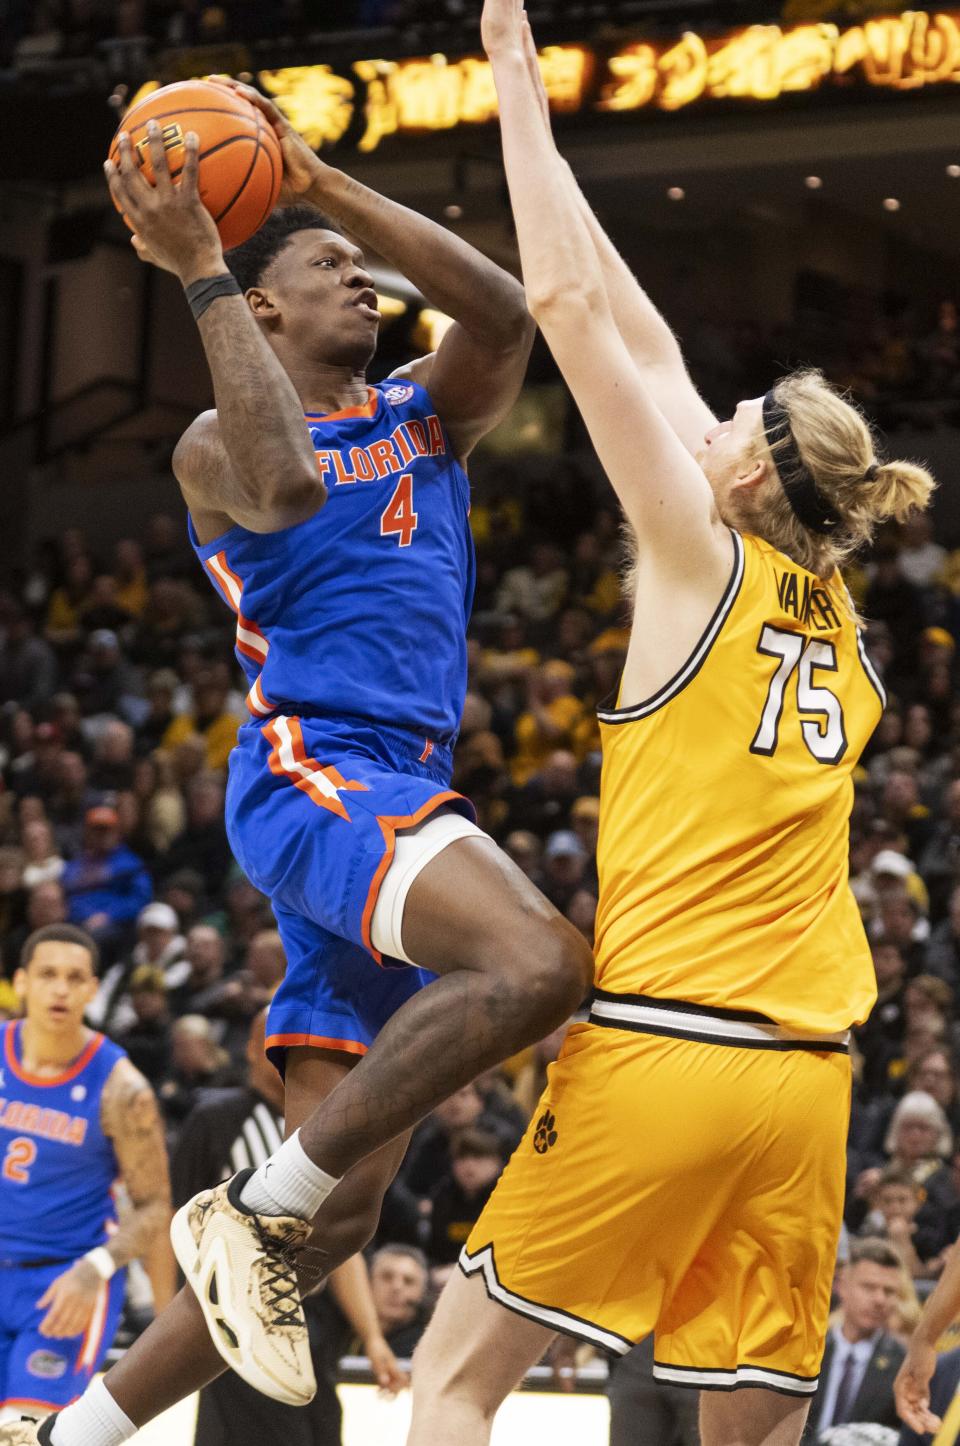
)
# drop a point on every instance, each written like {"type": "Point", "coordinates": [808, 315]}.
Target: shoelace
{"type": "Point", "coordinates": [280, 1280]}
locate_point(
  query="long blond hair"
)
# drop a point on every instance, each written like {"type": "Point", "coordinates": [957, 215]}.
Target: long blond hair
{"type": "Point", "coordinates": [838, 449]}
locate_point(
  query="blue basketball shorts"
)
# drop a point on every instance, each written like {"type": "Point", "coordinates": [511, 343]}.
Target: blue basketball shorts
{"type": "Point", "coordinates": [40, 1374]}
{"type": "Point", "coordinates": [313, 810]}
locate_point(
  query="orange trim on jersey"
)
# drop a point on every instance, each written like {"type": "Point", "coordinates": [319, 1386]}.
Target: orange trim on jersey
{"type": "Point", "coordinates": [367, 410]}
{"type": "Point", "coordinates": [251, 641]}
{"type": "Point", "coordinates": [389, 827]}
{"type": "Point", "coordinates": [258, 702]}
{"type": "Point", "coordinates": [314, 1041]}
{"type": "Point", "coordinates": [289, 759]}
{"type": "Point", "coordinates": [71, 1072]}
{"type": "Point", "coordinates": [43, 1405]}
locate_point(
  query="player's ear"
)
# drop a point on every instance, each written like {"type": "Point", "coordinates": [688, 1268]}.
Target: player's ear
{"type": "Point", "coordinates": [752, 471]}
{"type": "Point", "coordinates": [261, 303]}
{"type": "Point", "coordinates": [20, 983]}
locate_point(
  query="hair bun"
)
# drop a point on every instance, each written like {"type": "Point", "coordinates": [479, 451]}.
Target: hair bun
{"type": "Point", "coordinates": [871, 473]}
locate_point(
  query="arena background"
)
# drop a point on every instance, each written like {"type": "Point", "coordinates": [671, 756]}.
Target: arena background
{"type": "Point", "coordinates": [786, 185]}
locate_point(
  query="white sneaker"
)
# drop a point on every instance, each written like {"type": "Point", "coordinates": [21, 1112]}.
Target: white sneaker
{"type": "Point", "coordinates": [242, 1268]}
{"type": "Point", "coordinates": [21, 1433]}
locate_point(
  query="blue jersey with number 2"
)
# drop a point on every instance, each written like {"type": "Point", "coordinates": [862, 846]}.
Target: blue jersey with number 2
{"type": "Point", "coordinates": [362, 610]}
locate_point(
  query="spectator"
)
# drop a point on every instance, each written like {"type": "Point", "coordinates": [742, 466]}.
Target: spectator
{"type": "Point", "coordinates": [160, 716]}
{"type": "Point", "coordinates": [106, 884]}
{"type": "Point", "coordinates": [921, 559]}
{"type": "Point", "coordinates": [862, 1357]}
{"type": "Point", "coordinates": [42, 862]}
{"type": "Point", "coordinates": [65, 609]}
{"type": "Point", "coordinates": [210, 719]}
{"type": "Point", "coordinates": [398, 1281]}
{"type": "Point", "coordinates": [46, 904]}
{"type": "Point", "coordinates": [201, 846]}
{"type": "Point", "coordinates": [200, 987]}
{"type": "Point", "coordinates": [147, 1039]}
{"type": "Point", "coordinates": [550, 722]}
{"type": "Point", "coordinates": [896, 1201]}
{"type": "Point", "coordinates": [457, 1198]}
{"type": "Point", "coordinates": [160, 946]}
{"type": "Point", "coordinates": [112, 769]}
{"type": "Point", "coordinates": [940, 864]}
{"type": "Point", "coordinates": [197, 1063]}
{"type": "Point", "coordinates": [536, 589]}
{"type": "Point", "coordinates": [531, 1080]}
{"type": "Point", "coordinates": [130, 576]}
{"type": "Point", "coordinates": [36, 774]}
{"type": "Point", "coordinates": [429, 1157]}
{"type": "Point", "coordinates": [103, 680]}
{"type": "Point", "coordinates": [565, 865]}
{"type": "Point", "coordinates": [28, 664]}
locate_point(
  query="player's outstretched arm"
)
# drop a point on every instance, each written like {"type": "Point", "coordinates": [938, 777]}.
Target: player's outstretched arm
{"type": "Point", "coordinates": [129, 1116]}
{"type": "Point", "coordinates": [912, 1386]}
{"type": "Point", "coordinates": [646, 335]}
{"type": "Point", "coordinates": [664, 493]}
{"type": "Point", "coordinates": [476, 374]}
{"type": "Point", "coordinates": [271, 480]}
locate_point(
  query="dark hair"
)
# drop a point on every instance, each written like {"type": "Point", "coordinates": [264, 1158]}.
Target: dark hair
{"type": "Point", "coordinates": [476, 1145]}
{"type": "Point", "coordinates": [877, 1251]}
{"type": "Point", "coordinates": [249, 262]}
{"type": "Point", "coordinates": [60, 934]}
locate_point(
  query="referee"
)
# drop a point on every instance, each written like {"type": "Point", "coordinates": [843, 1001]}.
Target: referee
{"type": "Point", "coordinates": [231, 1130]}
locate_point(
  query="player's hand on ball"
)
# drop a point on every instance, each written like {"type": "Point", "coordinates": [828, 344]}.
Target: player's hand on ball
{"type": "Point", "coordinates": [502, 26]}
{"type": "Point", "coordinates": [69, 1301]}
{"type": "Point", "coordinates": [302, 167]}
{"type": "Point", "coordinates": [172, 227]}
{"type": "Point", "coordinates": [911, 1389]}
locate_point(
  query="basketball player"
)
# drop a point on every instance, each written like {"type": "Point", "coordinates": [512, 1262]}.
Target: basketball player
{"type": "Point", "coordinates": [75, 1117]}
{"type": "Point", "coordinates": [684, 1171]}
{"type": "Point", "coordinates": [332, 517]}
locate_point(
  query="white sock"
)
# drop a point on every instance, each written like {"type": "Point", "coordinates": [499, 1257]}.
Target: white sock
{"type": "Point", "coordinates": [94, 1420]}
{"type": "Point", "coordinates": [289, 1183]}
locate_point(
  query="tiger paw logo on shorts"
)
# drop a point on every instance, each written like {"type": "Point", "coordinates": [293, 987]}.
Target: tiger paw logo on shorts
{"type": "Point", "coordinates": [545, 1134]}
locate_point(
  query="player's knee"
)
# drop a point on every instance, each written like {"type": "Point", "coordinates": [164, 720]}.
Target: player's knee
{"type": "Point", "coordinates": [560, 973]}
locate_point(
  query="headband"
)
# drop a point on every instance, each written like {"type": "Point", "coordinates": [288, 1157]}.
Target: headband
{"type": "Point", "coordinates": [809, 506]}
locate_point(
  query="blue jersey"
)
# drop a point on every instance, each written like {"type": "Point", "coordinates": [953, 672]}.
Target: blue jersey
{"type": "Point", "coordinates": [362, 610]}
{"type": "Point", "coordinates": [57, 1167]}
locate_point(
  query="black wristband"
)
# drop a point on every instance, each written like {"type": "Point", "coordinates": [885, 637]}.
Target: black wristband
{"type": "Point", "coordinates": [203, 293]}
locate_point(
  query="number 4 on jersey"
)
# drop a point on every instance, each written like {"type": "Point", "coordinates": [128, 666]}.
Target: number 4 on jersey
{"type": "Point", "coordinates": [826, 740]}
{"type": "Point", "coordinates": [399, 519]}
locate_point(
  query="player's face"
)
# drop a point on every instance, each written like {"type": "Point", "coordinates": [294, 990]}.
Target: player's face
{"type": "Point", "coordinates": [57, 985]}
{"type": "Point", "coordinates": [731, 450]}
{"type": "Point", "coordinates": [325, 298]}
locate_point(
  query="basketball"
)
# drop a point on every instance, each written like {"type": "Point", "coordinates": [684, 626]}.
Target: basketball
{"type": "Point", "coordinates": [241, 166]}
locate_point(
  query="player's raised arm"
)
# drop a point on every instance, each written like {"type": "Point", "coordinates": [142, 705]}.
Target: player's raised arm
{"type": "Point", "coordinates": [649, 340]}
{"type": "Point", "coordinates": [664, 493]}
{"type": "Point", "coordinates": [476, 374]}
{"type": "Point", "coordinates": [266, 475]}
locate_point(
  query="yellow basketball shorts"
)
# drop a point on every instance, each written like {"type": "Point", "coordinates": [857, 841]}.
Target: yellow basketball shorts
{"type": "Point", "coordinates": [687, 1187]}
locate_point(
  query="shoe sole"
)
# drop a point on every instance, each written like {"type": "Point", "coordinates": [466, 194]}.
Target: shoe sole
{"type": "Point", "coordinates": [216, 1318]}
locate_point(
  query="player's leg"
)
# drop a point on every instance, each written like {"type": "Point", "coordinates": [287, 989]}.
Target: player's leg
{"type": "Point", "coordinates": [175, 1357]}
{"type": "Point", "coordinates": [473, 1354]}
{"type": "Point", "coordinates": [751, 1418]}
{"type": "Point", "coordinates": [512, 969]}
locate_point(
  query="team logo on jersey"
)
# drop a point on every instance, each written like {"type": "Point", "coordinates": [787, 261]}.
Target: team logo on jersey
{"type": "Point", "coordinates": [396, 396]}
{"type": "Point", "coordinates": [78, 1093]}
{"type": "Point", "coordinates": [545, 1135]}
{"type": "Point", "coordinates": [47, 1365]}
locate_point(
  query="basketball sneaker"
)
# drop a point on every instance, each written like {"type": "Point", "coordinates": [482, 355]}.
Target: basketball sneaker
{"type": "Point", "coordinates": [243, 1269]}
{"type": "Point", "coordinates": [27, 1432]}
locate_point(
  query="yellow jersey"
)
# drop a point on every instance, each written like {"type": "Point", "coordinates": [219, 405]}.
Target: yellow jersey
{"type": "Point", "coordinates": [725, 806]}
